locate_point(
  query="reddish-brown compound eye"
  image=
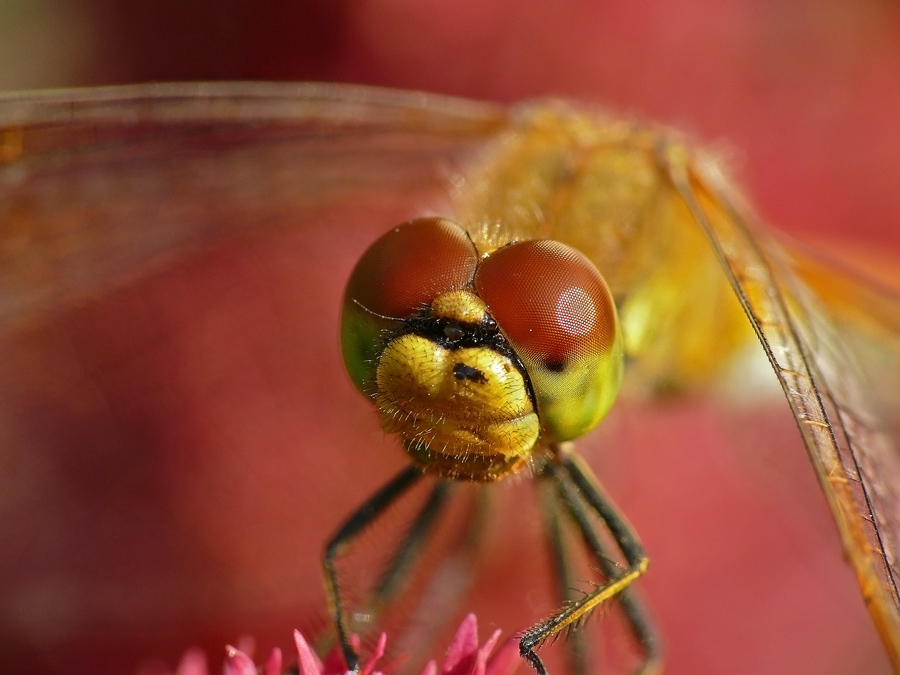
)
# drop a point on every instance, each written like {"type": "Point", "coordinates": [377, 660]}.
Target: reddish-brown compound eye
{"type": "Point", "coordinates": [396, 278]}
{"type": "Point", "coordinates": [549, 300]}
{"type": "Point", "coordinates": [404, 270]}
{"type": "Point", "coordinates": [558, 314]}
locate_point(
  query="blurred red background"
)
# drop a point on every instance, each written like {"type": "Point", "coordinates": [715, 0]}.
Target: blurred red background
{"type": "Point", "coordinates": [805, 97]}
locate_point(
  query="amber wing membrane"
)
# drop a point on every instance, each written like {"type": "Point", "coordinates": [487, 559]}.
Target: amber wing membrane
{"type": "Point", "coordinates": [96, 185]}
{"type": "Point", "coordinates": [102, 188]}
{"type": "Point", "coordinates": [852, 452]}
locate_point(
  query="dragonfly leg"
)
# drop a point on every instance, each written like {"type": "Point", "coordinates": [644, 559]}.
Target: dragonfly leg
{"type": "Point", "coordinates": [580, 493]}
{"type": "Point", "coordinates": [637, 614]}
{"type": "Point", "coordinates": [364, 516]}
{"type": "Point", "coordinates": [562, 569]}
{"type": "Point", "coordinates": [411, 544]}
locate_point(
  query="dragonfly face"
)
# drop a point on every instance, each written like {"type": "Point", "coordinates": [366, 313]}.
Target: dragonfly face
{"type": "Point", "coordinates": [97, 201]}
{"type": "Point", "coordinates": [481, 347]}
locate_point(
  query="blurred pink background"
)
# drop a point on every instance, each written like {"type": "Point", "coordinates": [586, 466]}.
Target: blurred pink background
{"type": "Point", "coordinates": [804, 95]}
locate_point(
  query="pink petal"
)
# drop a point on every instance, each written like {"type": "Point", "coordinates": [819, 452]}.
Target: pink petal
{"type": "Point", "coordinates": [273, 664]}
{"type": "Point", "coordinates": [464, 657]}
{"type": "Point", "coordinates": [193, 663]}
{"type": "Point", "coordinates": [463, 648]}
{"type": "Point", "coordinates": [307, 661]}
{"type": "Point", "coordinates": [238, 663]}
{"type": "Point", "coordinates": [506, 660]}
{"type": "Point", "coordinates": [481, 656]}
{"type": "Point", "coordinates": [369, 667]}
{"type": "Point", "coordinates": [334, 661]}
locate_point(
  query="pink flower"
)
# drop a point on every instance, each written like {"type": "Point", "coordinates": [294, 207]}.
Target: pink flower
{"type": "Point", "coordinates": [463, 657]}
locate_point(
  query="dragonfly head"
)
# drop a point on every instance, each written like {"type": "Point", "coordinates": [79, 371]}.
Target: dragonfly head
{"type": "Point", "coordinates": [476, 361]}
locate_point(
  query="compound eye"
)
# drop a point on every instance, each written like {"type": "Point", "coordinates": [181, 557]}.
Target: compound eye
{"type": "Point", "coordinates": [550, 301]}
{"type": "Point", "coordinates": [396, 278]}
{"type": "Point", "coordinates": [404, 270]}
{"type": "Point", "coordinates": [558, 314]}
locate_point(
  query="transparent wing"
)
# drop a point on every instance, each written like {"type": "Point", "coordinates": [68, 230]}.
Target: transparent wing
{"type": "Point", "coordinates": [103, 186]}
{"type": "Point", "coordinates": [281, 185]}
{"type": "Point", "coordinates": [98, 185]}
{"type": "Point", "coordinates": [852, 451]}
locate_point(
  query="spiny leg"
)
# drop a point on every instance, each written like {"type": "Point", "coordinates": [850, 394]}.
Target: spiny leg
{"type": "Point", "coordinates": [563, 468]}
{"type": "Point", "coordinates": [411, 544]}
{"type": "Point", "coordinates": [565, 584]}
{"type": "Point", "coordinates": [364, 516]}
{"type": "Point", "coordinates": [635, 612]}
{"type": "Point", "coordinates": [449, 577]}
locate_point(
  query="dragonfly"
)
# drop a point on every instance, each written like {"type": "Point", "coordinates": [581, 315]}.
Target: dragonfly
{"type": "Point", "coordinates": [674, 239]}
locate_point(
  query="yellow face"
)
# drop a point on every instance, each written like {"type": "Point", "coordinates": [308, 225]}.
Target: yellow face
{"type": "Point", "coordinates": [477, 360]}
{"type": "Point", "coordinates": [448, 403]}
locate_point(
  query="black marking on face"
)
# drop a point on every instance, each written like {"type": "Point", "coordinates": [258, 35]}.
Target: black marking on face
{"type": "Point", "coordinates": [463, 372]}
